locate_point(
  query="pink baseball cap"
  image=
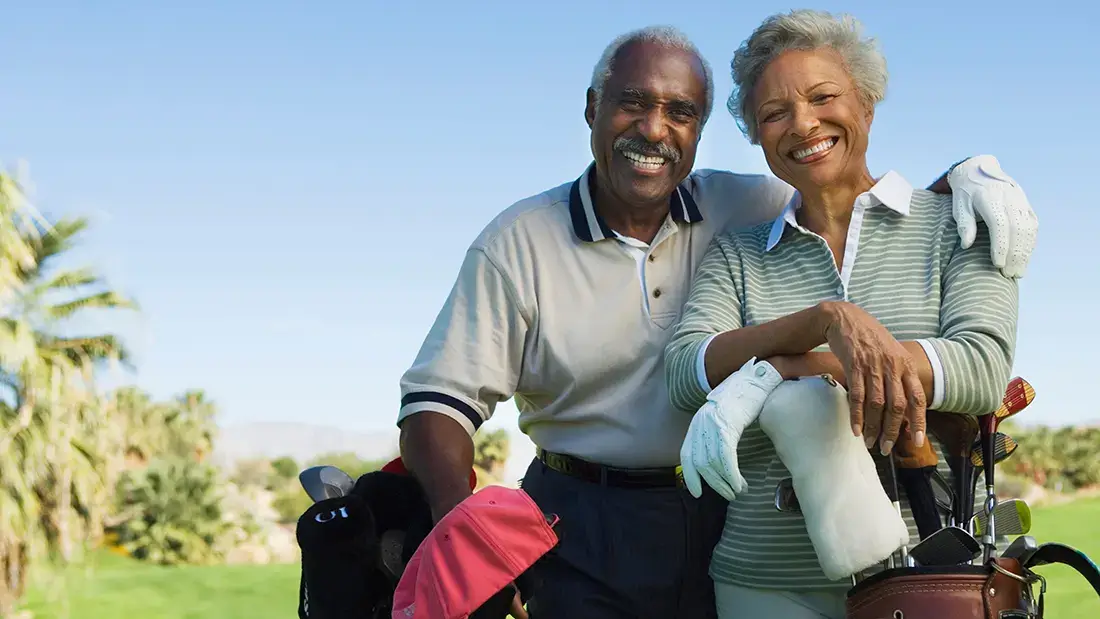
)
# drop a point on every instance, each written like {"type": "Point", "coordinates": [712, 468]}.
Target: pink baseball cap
{"type": "Point", "coordinates": [479, 548]}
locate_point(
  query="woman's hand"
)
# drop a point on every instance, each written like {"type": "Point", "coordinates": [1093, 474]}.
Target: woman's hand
{"type": "Point", "coordinates": [883, 385]}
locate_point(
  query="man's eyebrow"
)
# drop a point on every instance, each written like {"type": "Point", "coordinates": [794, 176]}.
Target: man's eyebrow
{"type": "Point", "coordinates": [632, 93]}
{"type": "Point", "coordinates": [684, 105]}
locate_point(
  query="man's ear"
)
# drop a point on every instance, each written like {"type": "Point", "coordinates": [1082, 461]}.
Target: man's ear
{"type": "Point", "coordinates": [590, 108]}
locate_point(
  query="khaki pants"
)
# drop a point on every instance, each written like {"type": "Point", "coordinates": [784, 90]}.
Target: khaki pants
{"type": "Point", "coordinates": [743, 603]}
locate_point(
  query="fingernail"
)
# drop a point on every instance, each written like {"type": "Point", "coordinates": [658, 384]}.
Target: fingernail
{"type": "Point", "coordinates": [869, 442]}
{"type": "Point", "coordinates": [857, 429]}
{"type": "Point", "coordinates": [887, 446]}
{"type": "Point", "coordinates": [919, 440]}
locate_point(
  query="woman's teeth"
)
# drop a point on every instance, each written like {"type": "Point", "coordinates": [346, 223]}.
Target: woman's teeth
{"type": "Point", "coordinates": [820, 147]}
{"type": "Point", "coordinates": [645, 162]}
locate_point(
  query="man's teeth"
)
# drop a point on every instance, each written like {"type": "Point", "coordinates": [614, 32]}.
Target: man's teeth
{"type": "Point", "coordinates": [820, 147]}
{"type": "Point", "coordinates": [646, 162]}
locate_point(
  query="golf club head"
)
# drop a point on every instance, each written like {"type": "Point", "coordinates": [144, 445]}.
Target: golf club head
{"type": "Point", "coordinates": [948, 546]}
{"type": "Point", "coordinates": [1003, 448]}
{"type": "Point", "coordinates": [1021, 549]}
{"type": "Point", "coordinates": [325, 482]}
{"type": "Point", "coordinates": [1012, 517]}
{"type": "Point", "coordinates": [785, 499]}
{"type": "Point", "coordinates": [1018, 395]}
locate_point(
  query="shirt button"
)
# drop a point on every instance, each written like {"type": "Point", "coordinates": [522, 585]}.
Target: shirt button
{"type": "Point", "coordinates": [840, 289]}
{"type": "Point", "coordinates": [656, 292]}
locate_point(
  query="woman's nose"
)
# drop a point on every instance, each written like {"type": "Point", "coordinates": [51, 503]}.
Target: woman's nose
{"type": "Point", "coordinates": [805, 121]}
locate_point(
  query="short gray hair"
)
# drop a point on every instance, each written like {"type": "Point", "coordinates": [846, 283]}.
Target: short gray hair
{"type": "Point", "coordinates": [804, 30]}
{"type": "Point", "coordinates": [660, 35]}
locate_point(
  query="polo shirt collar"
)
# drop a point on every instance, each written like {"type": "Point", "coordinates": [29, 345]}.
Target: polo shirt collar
{"type": "Point", "coordinates": [590, 227]}
{"type": "Point", "coordinates": [891, 191]}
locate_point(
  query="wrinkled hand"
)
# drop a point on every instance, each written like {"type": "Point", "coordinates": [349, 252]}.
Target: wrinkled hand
{"type": "Point", "coordinates": [709, 451]}
{"type": "Point", "coordinates": [981, 190]}
{"type": "Point", "coordinates": [884, 388]}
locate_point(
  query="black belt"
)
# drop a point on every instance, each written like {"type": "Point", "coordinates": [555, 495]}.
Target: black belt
{"type": "Point", "coordinates": [610, 476]}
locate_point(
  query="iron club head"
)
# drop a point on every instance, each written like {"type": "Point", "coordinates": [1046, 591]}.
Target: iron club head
{"type": "Point", "coordinates": [785, 499]}
{"type": "Point", "coordinates": [325, 482]}
{"type": "Point", "coordinates": [1012, 517]}
{"type": "Point", "coordinates": [948, 546]}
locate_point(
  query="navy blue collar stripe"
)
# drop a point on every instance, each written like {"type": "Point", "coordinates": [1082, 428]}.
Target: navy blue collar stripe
{"type": "Point", "coordinates": [590, 227]}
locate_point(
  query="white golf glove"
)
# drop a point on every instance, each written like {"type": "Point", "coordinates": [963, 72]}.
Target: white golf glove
{"type": "Point", "coordinates": [981, 190]}
{"type": "Point", "coordinates": [849, 518]}
{"type": "Point", "coordinates": [710, 448]}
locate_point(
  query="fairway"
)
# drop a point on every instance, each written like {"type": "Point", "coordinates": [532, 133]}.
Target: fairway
{"type": "Point", "coordinates": [114, 587]}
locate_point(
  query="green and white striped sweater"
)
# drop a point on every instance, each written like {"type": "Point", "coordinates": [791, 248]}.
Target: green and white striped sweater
{"type": "Point", "coordinates": [911, 274]}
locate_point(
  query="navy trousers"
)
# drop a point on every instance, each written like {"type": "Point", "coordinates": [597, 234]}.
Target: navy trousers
{"type": "Point", "coordinates": [624, 553]}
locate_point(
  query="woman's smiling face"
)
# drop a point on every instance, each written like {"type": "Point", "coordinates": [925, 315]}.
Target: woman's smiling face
{"type": "Point", "coordinates": [811, 121]}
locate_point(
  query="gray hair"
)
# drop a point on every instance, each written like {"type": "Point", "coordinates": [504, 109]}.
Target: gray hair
{"type": "Point", "coordinates": [661, 35]}
{"type": "Point", "coordinates": [804, 30]}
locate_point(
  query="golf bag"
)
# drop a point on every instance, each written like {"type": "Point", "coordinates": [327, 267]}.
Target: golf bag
{"type": "Point", "coordinates": [354, 549]}
{"type": "Point", "coordinates": [1001, 589]}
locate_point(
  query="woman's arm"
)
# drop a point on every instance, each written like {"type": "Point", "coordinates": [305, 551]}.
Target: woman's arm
{"type": "Point", "coordinates": [713, 306]}
{"type": "Point", "coordinates": [977, 339]}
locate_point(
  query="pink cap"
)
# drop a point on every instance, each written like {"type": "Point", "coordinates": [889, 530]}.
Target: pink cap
{"type": "Point", "coordinates": [479, 548]}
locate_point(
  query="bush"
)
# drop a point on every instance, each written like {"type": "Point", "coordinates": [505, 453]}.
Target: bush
{"type": "Point", "coordinates": [172, 513]}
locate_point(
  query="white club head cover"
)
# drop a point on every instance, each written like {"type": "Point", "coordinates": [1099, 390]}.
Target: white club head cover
{"type": "Point", "coordinates": [850, 519]}
{"type": "Point", "coordinates": [709, 450]}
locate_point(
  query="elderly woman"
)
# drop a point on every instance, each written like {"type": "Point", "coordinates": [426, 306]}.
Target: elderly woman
{"type": "Point", "coordinates": [862, 277]}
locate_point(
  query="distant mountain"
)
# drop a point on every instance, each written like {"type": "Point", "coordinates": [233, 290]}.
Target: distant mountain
{"type": "Point", "coordinates": [301, 441]}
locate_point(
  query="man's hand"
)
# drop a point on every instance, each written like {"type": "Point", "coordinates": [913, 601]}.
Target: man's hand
{"type": "Point", "coordinates": [981, 190]}
{"type": "Point", "coordinates": [884, 387]}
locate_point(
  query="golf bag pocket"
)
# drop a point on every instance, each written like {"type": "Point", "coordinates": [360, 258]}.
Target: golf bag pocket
{"type": "Point", "coordinates": [1000, 589]}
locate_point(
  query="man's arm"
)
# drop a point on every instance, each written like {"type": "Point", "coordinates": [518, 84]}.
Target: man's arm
{"type": "Point", "coordinates": [940, 185]}
{"type": "Point", "coordinates": [469, 362]}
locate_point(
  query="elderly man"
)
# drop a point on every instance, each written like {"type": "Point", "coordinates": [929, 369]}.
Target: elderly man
{"type": "Point", "coordinates": [566, 301]}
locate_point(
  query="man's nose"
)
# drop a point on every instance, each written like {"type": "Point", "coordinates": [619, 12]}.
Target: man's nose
{"type": "Point", "coordinates": [653, 126]}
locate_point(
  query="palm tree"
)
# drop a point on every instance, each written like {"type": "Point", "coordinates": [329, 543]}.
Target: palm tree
{"type": "Point", "coordinates": [21, 444]}
{"type": "Point", "coordinates": [50, 300]}
{"type": "Point", "coordinates": [53, 430]}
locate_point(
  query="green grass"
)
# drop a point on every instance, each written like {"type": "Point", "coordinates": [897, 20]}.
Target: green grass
{"type": "Point", "coordinates": [1068, 595]}
{"type": "Point", "coordinates": [113, 587]}
{"type": "Point", "coordinates": [110, 586]}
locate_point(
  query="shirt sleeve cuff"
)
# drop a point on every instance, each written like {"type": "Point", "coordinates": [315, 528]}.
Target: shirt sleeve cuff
{"type": "Point", "coordinates": [701, 364]}
{"type": "Point", "coordinates": [937, 374]}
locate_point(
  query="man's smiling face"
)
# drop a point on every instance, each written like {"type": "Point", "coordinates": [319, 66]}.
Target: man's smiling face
{"type": "Point", "coordinates": [646, 129]}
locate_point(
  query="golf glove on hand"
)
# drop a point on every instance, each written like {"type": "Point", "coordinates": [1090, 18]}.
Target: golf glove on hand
{"type": "Point", "coordinates": [710, 448]}
{"type": "Point", "coordinates": [981, 190]}
{"type": "Point", "coordinates": [851, 521]}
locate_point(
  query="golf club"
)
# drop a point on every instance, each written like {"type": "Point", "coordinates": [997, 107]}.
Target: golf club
{"type": "Point", "coordinates": [948, 546]}
{"type": "Point", "coordinates": [1018, 395]}
{"type": "Point", "coordinates": [1003, 447]}
{"type": "Point", "coordinates": [1021, 548]}
{"type": "Point", "coordinates": [1013, 517]}
{"type": "Point", "coordinates": [325, 482]}
{"type": "Point", "coordinates": [987, 425]}
{"type": "Point", "coordinates": [956, 434]}
{"type": "Point", "coordinates": [785, 499]}
{"type": "Point", "coordinates": [896, 499]}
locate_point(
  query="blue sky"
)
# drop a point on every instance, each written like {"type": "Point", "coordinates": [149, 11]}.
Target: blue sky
{"type": "Point", "coordinates": [289, 191]}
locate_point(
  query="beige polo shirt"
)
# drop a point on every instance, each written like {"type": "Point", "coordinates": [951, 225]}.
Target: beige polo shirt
{"type": "Point", "coordinates": [555, 309]}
